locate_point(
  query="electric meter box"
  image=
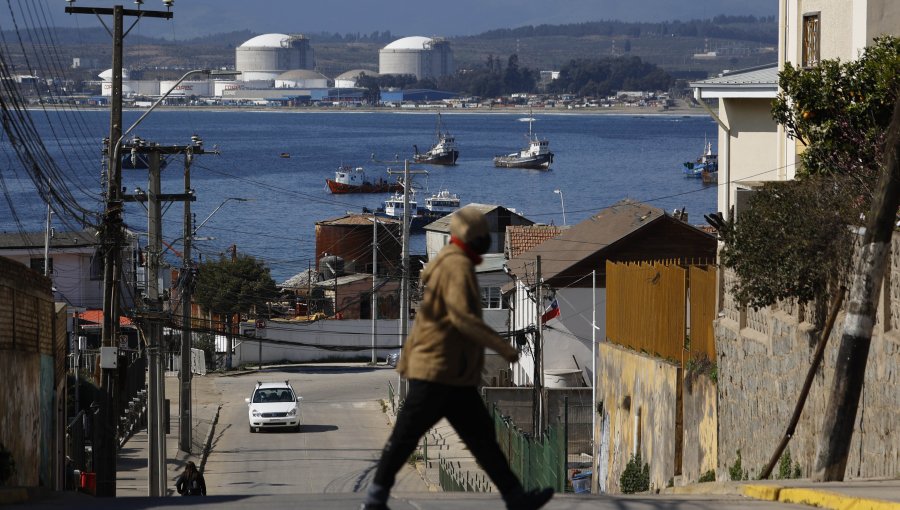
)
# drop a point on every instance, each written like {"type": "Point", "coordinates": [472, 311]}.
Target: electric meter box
{"type": "Point", "coordinates": [109, 357]}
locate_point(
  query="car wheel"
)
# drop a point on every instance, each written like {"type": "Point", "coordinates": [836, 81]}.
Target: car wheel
{"type": "Point", "coordinates": [252, 430]}
{"type": "Point", "coordinates": [297, 428]}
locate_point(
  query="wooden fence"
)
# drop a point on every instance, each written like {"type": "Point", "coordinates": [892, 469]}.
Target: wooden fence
{"type": "Point", "coordinates": [648, 305]}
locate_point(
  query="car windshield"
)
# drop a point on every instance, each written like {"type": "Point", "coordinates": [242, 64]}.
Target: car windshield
{"type": "Point", "coordinates": [265, 395]}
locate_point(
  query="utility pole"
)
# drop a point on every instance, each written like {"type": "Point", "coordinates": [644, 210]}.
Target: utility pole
{"type": "Point", "coordinates": [853, 353]}
{"type": "Point", "coordinates": [156, 413]}
{"type": "Point", "coordinates": [404, 280]}
{"type": "Point", "coordinates": [185, 373]}
{"type": "Point", "coordinates": [112, 236]}
{"type": "Point", "coordinates": [374, 285]}
{"type": "Point", "coordinates": [156, 394]}
{"type": "Point", "coordinates": [538, 397]}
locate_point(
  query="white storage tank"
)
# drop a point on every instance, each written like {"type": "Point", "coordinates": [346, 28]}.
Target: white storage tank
{"type": "Point", "coordinates": [266, 56]}
{"type": "Point", "coordinates": [301, 79]}
{"type": "Point", "coordinates": [423, 57]}
{"type": "Point", "coordinates": [348, 79]}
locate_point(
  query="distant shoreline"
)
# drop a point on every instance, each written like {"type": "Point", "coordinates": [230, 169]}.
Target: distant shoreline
{"type": "Point", "coordinates": [632, 112]}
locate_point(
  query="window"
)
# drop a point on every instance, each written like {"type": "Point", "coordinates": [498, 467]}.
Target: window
{"type": "Point", "coordinates": [491, 298]}
{"type": "Point", "coordinates": [37, 264]}
{"type": "Point", "coordinates": [811, 40]}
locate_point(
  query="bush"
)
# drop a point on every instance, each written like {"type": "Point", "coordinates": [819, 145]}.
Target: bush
{"type": "Point", "coordinates": [636, 477]}
{"type": "Point", "coordinates": [709, 476]}
{"type": "Point", "coordinates": [737, 471]}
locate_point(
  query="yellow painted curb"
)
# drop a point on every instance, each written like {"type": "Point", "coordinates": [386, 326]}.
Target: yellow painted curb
{"type": "Point", "coordinates": [13, 496]}
{"type": "Point", "coordinates": [833, 500]}
{"type": "Point", "coordinates": [763, 492]}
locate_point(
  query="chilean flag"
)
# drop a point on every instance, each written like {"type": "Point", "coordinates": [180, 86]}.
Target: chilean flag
{"type": "Point", "coordinates": [551, 312]}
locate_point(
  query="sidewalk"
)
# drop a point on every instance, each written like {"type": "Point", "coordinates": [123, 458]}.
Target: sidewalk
{"type": "Point", "coordinates": [132, 478]}
{"type": "Point", "coordinates": [847, 495]}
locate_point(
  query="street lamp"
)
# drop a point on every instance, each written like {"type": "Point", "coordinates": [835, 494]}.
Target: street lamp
{"type": "Point", "coordinates": [209, 72]}
{"type": "Point", "coordinates": [236, 199]}
{"type": "Point", "coordinates": [563, 203]}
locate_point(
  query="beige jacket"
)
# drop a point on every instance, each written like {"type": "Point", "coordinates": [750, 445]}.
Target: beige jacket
{"type": "Point", "coordinates": [448, 338]}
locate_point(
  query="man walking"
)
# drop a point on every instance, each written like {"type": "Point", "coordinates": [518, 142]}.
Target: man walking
{"type": "Point", "coordinates": [443, 358]}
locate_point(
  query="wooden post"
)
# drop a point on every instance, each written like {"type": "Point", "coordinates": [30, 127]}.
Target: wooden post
{"type": "Point", "coordinates": [849, 374]}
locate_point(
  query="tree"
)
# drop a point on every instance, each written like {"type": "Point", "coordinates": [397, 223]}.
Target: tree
{"type": "Point", "coordinates": [840, 111]}
{"type": "Point", "coordinates": [233, 286]}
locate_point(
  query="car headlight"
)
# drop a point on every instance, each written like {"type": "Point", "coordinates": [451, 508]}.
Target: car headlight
{"type": "Point", "coordinates": [255, 413]}
{"type": "Point", "coordinates": [292, 412]}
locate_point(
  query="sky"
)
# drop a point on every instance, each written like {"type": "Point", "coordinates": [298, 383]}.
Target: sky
{"type": "Point", "coordinates": [446, 18]}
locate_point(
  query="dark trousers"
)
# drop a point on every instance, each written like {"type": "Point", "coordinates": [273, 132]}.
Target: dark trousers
{"type": "Point", "coordinates": [428, 402]}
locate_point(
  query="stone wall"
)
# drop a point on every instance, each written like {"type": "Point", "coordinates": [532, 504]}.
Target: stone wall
{"type": "Point", "coordinates": [763, 357]}
{"type": "Point", "coordinates": [27, 362]}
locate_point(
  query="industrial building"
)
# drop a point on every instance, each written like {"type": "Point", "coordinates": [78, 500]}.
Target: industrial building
{"type": "Point", "coordinates": [266, 56]}
{"type": "Point", "coordinates": [422, 57]}
{"type": "Point", "coordinates": [301, 79]}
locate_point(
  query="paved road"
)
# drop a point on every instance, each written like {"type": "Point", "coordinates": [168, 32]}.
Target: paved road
{"type": "Point", "coordinates": [343, 430]}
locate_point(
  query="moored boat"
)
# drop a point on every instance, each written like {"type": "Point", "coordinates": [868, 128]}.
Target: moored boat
{"type": "Point", "coordinates": [348, 179]}
{"type": "Point", "coordinates": [705, 167]}
{"type": "Point", "coordinates": [536, 156]}
{"type": "Point", "coordinates": [444, 152]}
{"type": "Point", "coordinates": [436, 206]}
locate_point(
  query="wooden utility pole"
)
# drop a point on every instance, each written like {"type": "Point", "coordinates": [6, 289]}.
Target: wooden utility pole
{"type": "Point", "coordinates": [374, 286]}
{"type": "Point", "coordinates": [853, 352]}
{"type": "Point", "coordinates": [112, 238]}
{"type": "Point", "coordinates": [538, 397]}
{"type": "Point", "coordinates": [404, 279]}
{"type": "Point", "coordinates": [185, 373]}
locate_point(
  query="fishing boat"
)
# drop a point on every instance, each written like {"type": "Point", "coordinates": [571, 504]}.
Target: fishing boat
{"type": "Point", "coordinates": [436, 206]}
{"type": "Point", "coordinates": [348, 179]}
{"type": "Point", "coordinates": [536, 156]}
{"type": "Point", "coordinates": [444, 152]}
{"type": "Point", "coordinates": [705, 167]}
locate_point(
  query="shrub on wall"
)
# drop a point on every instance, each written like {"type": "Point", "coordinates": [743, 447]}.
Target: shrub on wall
{"type": "Point", "coordinates": [636, 477]}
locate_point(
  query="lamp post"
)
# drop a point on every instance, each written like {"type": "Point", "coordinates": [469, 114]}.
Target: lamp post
{"type": "Point", "coordinates": [562, 203]}
{"type": "Point", "coordinates": [209, 72]}
{"type": "Point", "coordinates": [227, 199]}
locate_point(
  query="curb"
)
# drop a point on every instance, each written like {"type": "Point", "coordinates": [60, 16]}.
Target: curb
{"type": "Point", "coordinates": [207, 444]}
{"type": "Point", "coordinates": [814, 497]}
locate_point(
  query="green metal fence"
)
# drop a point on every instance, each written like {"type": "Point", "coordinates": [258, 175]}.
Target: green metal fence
{"type": "Point", "coordinates": [454, 479]}
{"type": "Point", "coordinates": [537, 462]}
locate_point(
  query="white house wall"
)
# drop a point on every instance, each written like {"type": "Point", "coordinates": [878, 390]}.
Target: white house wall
{"type": "Point", "coordinates": [567, 339]}
{"type": "Point", "coordinates": [753, 135]}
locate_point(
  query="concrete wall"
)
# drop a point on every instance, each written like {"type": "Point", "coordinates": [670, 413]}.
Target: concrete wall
{"type": "Point", "coordinates": [753, 137]}
{"type": "Point", "coordinates": [316, 341]}
{"type": "Point", "coordinates": [763, 357]}
{"type": "Point", "coordinates": [28, 395]}
{"type": "Point", "coordinates": [632, 385]}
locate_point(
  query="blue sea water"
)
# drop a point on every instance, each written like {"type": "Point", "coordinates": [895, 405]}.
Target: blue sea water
{"type": "Point", "coordinates": [600, 159]}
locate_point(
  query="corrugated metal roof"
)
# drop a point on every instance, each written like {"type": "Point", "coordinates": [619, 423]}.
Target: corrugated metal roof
{"type": "Point", "coordinates": [588, 238]}
{"type": "Point", "coordinates": [443, 224]}
{"type": "Point", "coordinates": [763, 75]}
{"type": "Point", "coordinates": [59, 239]}
{"type": "Point", "coordinates": [357, 219]}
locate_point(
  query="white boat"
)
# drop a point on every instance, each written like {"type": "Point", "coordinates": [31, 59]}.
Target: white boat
{"type": "Point", "coordinates": [441, 204]}
{"type": "Point", "coordinates": [536, 156]}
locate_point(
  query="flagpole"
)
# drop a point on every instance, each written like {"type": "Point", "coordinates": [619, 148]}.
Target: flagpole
{"type": "Point", "coordinates": [594, 363]}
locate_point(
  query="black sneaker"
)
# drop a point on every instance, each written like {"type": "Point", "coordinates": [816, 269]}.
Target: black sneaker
{"type": "Point", "coordinates": [374, 506]}
{"type": "Point", "coordinates": [531, 500]}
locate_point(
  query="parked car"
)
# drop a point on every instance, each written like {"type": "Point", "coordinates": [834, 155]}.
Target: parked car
{"type": "Point", "coordinates": [393, 358]}
{"type": "Point", "coordinates": [273, 405]}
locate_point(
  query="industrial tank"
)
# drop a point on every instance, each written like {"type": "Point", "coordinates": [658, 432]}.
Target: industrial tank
{"type": "Point", "coordinates": [422, 57]}
{"type": "Point", "coordinates": [348, 79]}
{"type": "Point", "coordinates": [266, 56]}
{"type": "Point", "coordinates": [301, 79]}
{"type": "Point", "coordinates": [186, 88]}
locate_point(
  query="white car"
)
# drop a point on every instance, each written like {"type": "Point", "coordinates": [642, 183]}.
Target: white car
{"type": "Point", "coordinates": [273, 404]}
